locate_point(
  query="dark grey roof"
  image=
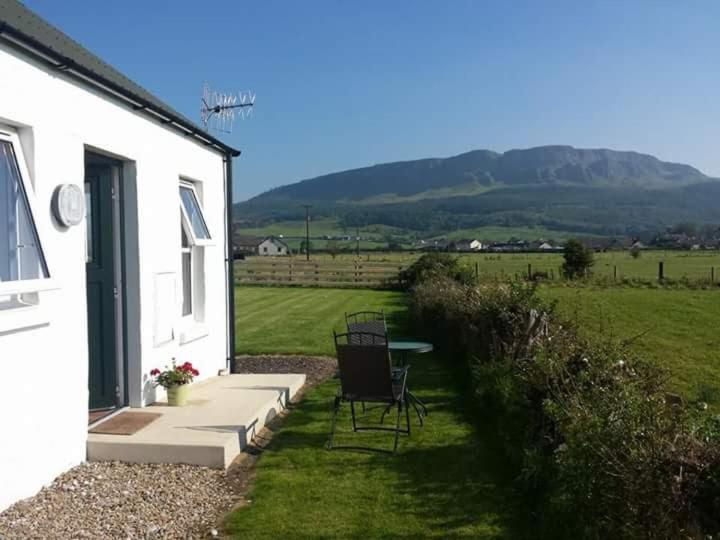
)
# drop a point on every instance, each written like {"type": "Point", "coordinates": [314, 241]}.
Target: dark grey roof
{"type": "Point", "coordinates": [20, 26]}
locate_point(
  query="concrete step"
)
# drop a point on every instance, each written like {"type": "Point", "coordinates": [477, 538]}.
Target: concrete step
{"type": "Point", "coordinates": [220, 420]}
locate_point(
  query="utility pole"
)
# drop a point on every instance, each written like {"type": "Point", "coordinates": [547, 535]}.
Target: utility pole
{"type": "Point", "coordinates": [307, 231]}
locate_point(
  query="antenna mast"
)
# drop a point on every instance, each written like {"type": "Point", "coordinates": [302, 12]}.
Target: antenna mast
{"type": "Point", "coordinates": [218, 109]}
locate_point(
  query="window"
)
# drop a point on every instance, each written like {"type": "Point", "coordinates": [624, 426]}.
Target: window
{"type": "Point", "coordinates": [186, 261]}
{"type": "Point", "coordinates": [22, 262]}
{"type": "Point", "coordinates": [194, 236]}
{"type": "Point", "coordinates": [193, 214]}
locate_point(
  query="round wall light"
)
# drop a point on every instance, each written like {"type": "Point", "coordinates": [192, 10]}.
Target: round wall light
{"type": "Point", "coordinates": [68, 204]}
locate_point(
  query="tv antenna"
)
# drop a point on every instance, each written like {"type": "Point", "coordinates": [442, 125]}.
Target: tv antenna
{"type": "Point", "coordinates": [218, 109]}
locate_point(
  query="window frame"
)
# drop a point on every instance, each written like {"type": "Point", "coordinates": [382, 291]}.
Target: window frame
{"type": "Point", "coordinates": [192, 325]}
{"type": "Point", "coordinates": [24, 286]}
{"type": "Point", "coordinates": [187, 250]}
{"type": "Point", "coordinates": [187, 223]}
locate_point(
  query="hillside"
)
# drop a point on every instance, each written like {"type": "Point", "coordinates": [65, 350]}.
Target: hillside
{"type": "Point", "coordinates": [595, 191]}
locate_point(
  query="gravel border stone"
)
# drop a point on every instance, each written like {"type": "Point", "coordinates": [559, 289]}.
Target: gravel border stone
{"type": "Point", "coordinates": [152, 501]}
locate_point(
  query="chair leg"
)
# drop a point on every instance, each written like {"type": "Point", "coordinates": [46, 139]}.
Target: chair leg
{"type": "Point", "coordinates": [385, 411]}
{"type": "Point", "coordinates": [336, 408]}
{"type": "Point", "coordinates": [397, 425]}
{"type": "Point", "coordinates": [407, 414]}
{"type": "Point", "coordinates": [352, 410]}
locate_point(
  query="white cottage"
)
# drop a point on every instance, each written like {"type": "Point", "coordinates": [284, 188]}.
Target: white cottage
{"type": "Point", "coordinates": [91, 301]}
{"type": "Point", "coordinates": [272, 246]}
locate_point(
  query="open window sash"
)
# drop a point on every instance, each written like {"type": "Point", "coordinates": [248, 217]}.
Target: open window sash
{"type": "Point", "coordinates": [23, 267]}
{"type": "Point", "coordinates": [193, 219]}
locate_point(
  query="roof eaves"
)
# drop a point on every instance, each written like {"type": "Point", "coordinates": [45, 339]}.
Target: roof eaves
{"type": "Point", "coordinates": [152, 107]}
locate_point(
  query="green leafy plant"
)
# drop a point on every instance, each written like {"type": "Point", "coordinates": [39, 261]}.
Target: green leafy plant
{"type": "Point", "coordinates": [602, 453]}
{"type": "Point", "coordinates": [578, 260]}
{"type": "Point", "coordinates": [436, 265]}
{"type": "Point", "coordinates": [174, 375]}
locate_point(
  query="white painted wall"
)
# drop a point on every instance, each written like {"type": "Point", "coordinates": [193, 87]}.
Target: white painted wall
{"type": "Point", "coordinates": [43, 386]}
{"type": "Point", "coordinates": [269, 247]}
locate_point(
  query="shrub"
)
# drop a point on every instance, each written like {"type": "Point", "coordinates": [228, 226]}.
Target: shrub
{"type": "Point", "coordinates": [586, 422]}
{"type": "Point", "coordinates": [435, 265]}
{"type": "Point", "coordinates": [578, 260]}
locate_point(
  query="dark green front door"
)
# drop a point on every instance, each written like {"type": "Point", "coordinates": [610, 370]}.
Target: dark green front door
{"type": "Point", "coordinates": [101, 292]}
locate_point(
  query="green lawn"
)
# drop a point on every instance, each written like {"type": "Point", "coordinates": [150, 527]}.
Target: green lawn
{"type": "Point", "coordinates": [677, 329]}
{"type": "Point", "coordinates": [448, 480]}
{"type": "Point", "coordinates": [302, 320]}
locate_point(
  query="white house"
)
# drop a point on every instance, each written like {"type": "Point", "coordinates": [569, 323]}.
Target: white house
{"type": "Point", "coordinates": [272, 246]}
{"type": "Point", "coordinates": [91, 300]}
{"type": "Point", "coordinates": [468, 245]}
{"type": "Point", "coordinates": [257, 245]}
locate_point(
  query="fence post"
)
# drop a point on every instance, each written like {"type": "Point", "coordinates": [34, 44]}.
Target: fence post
{"type": "Point", "coordinates": [477, 271]}
{"type": "Point", "coordinates": [661, 270]}
{"type": "Point", "coordinates": [529, 272]}
{"type": "Point", "coordinates": [552, 274]}
{"type": "Point", "coordinates": [712, 274]}
{"type": "Point", "coordinates": [615, 272]}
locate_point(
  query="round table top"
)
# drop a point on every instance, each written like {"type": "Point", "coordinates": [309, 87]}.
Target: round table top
{"type": "Point", "coordinates": [410, 346]}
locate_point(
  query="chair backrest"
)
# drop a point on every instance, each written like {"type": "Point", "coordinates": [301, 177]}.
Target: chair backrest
{"type": "Point", "coordinates": [365, 366]}
{"type": "Point", "coordinates": [366, 322]}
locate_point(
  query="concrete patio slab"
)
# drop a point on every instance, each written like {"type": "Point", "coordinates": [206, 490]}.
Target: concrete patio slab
{"type": "Point", "coordinates": [221, 418]}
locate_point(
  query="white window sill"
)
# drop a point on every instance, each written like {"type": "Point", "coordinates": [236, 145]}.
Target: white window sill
{"type": "Point", "coordinates": [193, 332]}
{"type": "Point", "coordinates": [20, 317]}
{"type": "Point", "coordinates": [8, 288]}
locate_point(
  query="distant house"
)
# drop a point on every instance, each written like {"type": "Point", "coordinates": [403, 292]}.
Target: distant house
{"type": "Point", "coordinates": [260, 245]}
{"type": "Point", "coordinates": [466, 245]}
{"type": "Point", "coordinates": [546, 247]}
{"type": "Point", "coordinates": [272, 246]}
{"type": "Point", "coordinates": [246, 244]}
{"type": "Point", "coordinates": [638, 245]}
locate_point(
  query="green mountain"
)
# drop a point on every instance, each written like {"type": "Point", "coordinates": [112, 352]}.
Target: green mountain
{"type": "Point", "coordinates": [596, 191]}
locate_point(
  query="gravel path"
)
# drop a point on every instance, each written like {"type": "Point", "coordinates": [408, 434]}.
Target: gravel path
{"type": "Point", "coordinates": [151, 502]}
{"type": "Point", "coordinates": [316, 368]}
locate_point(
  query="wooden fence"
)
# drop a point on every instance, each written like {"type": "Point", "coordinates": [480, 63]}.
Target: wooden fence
{"type": "Point", "coordinates": [294, 271]}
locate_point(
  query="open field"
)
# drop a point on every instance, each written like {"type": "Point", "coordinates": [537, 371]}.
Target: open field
{"type": "Point", "coordinates": [331, 227]}
{"type": "Point", "coordinates": [448, 479]}
{"type": "Point", "coordinates": [677, 264]}
{"type": "Point", "coordinates": [676, 329]}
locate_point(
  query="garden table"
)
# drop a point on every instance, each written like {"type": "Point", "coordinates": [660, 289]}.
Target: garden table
{"type": "Point", "coordinates": [404, 348]}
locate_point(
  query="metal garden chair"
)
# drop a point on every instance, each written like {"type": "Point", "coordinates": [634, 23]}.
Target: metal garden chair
{"type": "Point", "coordinates": [367, 375]}
{"type": "Point", "coordinates": [363, 322]}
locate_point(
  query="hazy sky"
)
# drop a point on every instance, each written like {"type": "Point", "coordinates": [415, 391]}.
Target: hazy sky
{"type": "Point", "coordinates": [345, 84]}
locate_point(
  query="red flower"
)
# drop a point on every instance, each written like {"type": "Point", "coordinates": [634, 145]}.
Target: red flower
{"type": "Point", "coordinates": [154, 372]}
{"type": "Point", "coordinates": [195, 372]}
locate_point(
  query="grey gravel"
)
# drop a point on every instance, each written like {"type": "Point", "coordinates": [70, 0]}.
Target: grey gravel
{"type": "Point", "coordinates": [109, 500]}
{"type": "Point", "coordinates": [120, 500]}
{"type": "Point", "coordinates": [316, 368]}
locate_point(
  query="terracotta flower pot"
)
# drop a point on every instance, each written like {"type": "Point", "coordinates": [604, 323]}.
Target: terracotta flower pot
{"type": "Point", "coordinates": [177, 396]}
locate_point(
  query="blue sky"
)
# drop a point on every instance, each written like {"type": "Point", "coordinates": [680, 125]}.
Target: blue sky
{"type": "Point", "coordinates": [344, 84]}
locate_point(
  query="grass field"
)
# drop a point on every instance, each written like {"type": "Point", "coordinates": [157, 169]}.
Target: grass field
{"type": "Point", "coordinates": [448, 479]}
{"type": "Point", "coordinates": [676, 329]}
{"type": "Point", "coordinates": [330, 226]}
